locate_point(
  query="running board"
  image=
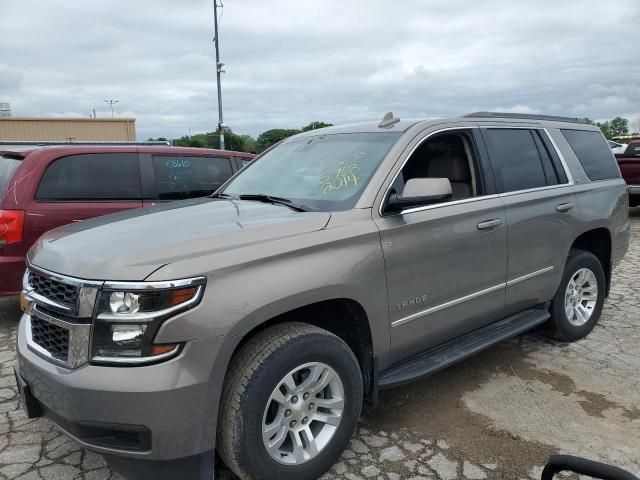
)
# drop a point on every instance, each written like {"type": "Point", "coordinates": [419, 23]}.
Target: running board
{"type": "Point", "coordinates": [460, 348]}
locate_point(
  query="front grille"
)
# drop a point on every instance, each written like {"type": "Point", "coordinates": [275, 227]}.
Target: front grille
{"type": "Point", "coordinates": [52, 338]}
{"type": "Point", "coordinates": [59, 292]}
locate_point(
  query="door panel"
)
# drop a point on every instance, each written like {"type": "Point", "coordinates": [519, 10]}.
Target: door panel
{"type": "Point", "coordinates": [540, 235]}
{"type": "Point", "coordinates": [445, 276]}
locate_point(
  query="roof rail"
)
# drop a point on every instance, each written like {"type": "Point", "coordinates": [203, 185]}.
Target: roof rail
{"type": "Point", "coordinates": [526, 116]}
{"type": "Point", "coordinates": [43, 143]}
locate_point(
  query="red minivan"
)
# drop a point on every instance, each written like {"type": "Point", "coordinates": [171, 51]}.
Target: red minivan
{"type": "Point", "coordinates": [45, 187]}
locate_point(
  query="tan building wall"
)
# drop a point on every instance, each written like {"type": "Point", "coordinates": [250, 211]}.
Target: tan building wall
{"type": "Point", "coordinates": [63, 129]}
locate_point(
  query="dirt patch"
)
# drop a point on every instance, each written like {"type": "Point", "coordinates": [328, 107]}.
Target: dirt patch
{"type": "Point", "coordinates": [433, 409]}
{"type": "Point", "coordinates": [594, 404]}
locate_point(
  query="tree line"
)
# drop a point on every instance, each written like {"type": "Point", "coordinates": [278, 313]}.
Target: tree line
{"type": "Point", "coordinates": [241, 143]}
{"type": "Point", "coordinates": [616, 127]}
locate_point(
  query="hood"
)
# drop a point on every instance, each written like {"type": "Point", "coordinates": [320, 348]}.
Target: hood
{"type": "Point", "coordinates": [131, 245]}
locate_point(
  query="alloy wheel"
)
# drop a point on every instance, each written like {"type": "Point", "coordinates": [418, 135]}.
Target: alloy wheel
{"type": "Point", "coordinates": [303, 413]}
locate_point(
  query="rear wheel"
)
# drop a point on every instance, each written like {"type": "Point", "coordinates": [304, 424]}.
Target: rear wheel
{"type": "Point", "coordinates": [578, 303]}
{"type": "Point", "coordinates": [290, 403]}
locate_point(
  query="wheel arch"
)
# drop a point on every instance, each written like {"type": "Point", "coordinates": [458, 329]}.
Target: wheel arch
{"type": "Point", "coordinates": [345, 317]}
{"type": "Point", "coordinates": [597, 241]}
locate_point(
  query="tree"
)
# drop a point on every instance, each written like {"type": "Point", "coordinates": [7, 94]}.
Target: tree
{"type": "Point", "coordinates": [619, 126]}
{"type": "Point", "coordinates": [273, 136]}
{"type": "Point", "coordinates": [606, 129]}
{"type": "Point", "coordinates": [248, 144]}
{"type": "Point", "coordinates": [232, 141]}
{"type": "Point", "coordinates": [316, 125]}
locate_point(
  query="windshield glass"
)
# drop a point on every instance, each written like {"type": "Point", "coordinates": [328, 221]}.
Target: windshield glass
{"type": "Point", "coordinates": [7, 167]}
{"type": "Point", "coordinates": [324, 173]}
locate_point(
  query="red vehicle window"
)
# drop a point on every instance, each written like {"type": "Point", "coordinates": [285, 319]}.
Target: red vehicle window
{"type": "Point", "coordinates": [100, 176]}
{"type": "Point", "coordinates": [7, 167]}
{"type": "Point", "coordinates": [187, 177]}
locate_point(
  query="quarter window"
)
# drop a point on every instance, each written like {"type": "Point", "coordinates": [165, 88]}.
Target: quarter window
{"type": "Point", "coordinates": [7, 167]}
{"type": "Point", "coordinates": [594, 154]}
{"type": "Point", "coordinates": [515, 159]}
{"type": "Point", "coordinates": [99, 176]}
{"type": "Point", "coordinates": [188, 177]}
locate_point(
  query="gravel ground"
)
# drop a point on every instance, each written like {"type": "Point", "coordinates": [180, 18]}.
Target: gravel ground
{"type": "Point", "coordinates": [497, 415]}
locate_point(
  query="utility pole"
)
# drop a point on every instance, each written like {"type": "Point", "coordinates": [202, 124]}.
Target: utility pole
{"type": "Point", "coordinates": [111, 104]}
{"type": "Point", "coordinates": [219, 71]}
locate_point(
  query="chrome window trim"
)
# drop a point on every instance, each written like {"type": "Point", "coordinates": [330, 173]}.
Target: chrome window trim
{"type": "Point", "coordinates": [532, 190]}
{"type": "Point", "coordinates": [448, 304]}
{"type": "Point", "coordinates": [563, 162]}
{"type": "Point", "coordinates": [446, 204]}
{"type": "Point", "coordinates": [160, 285]}
{"type": "Point", "coordinates": [150, 316]}
{"type": "Point", "coordinates": [528, 276]}
{"type": "Point", "coordinates": [415, 147]}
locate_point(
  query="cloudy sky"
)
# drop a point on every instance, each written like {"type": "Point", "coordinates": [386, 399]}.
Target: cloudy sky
{"type": "Point", "coordinates": [290, 62]}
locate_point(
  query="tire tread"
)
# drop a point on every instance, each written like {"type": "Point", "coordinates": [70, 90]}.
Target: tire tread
{"type": "Point", "coordinates": [244, 363]}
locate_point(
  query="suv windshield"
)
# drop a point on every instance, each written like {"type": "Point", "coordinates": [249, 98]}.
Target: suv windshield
{"type": "Point", "coordinates": [7, 167]}
{"type": "Point", "coordinates": [324, 172]}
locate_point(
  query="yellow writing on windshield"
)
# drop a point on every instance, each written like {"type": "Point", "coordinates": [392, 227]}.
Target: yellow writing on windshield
{"type": "Point", "coordinates": [345, 177]}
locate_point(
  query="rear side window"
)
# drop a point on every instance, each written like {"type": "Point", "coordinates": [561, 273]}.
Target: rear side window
{"type": "Point", "coordinates": [594, 154]}
{"type": "Point", "coordinates": [634, 150]}
{"type": "Point", "coordinates": [98, 176]}
{"type": "Point", "coordinates": [516, 160]}
{"type": "Point", "coordinates": [7, 167]}
{"type": "Point", "coordinates": [188, 177]}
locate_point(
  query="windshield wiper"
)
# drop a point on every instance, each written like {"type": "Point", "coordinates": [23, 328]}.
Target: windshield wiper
{"type": "Point", "coordinates": [261, 197]}
{"type": "Point", "coordinates": [220, 195]}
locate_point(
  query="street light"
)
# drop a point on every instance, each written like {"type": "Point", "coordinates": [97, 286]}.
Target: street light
{"type": "Point", "coordinates": [111, 104]}
{"type": "Point", "coordinates": [219, 71]}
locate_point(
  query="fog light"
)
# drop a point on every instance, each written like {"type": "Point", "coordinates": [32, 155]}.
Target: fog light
{"type": "Point", "coordinates": [124, 302]}
{"type": "Point", "coordinates": [127, 334]}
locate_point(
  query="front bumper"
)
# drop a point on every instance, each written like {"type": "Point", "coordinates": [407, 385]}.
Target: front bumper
{"type": "Point", "coordinates": [633, 189]}
{"type": "Point", "coordinates": [157, 412]}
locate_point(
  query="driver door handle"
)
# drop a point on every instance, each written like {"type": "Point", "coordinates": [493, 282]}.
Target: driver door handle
{"type": "Point", "coordinates": [490, 224]}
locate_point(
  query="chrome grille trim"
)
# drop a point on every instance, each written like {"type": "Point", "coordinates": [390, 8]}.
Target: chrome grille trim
{"type": "Point", "coordinates": [76, 314]}
{"type": "Point", "coordinates": [79, 334]}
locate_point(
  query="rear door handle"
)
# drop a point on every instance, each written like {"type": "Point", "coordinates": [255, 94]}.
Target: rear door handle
{"type": "Point", "coordinates": [490, 224]}
{"type": "Point", "coordinates": [565, 207]}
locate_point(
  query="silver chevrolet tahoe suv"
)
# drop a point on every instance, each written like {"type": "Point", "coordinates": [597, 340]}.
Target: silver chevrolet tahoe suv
{"type": "Point", "coordinates": [253, 325]}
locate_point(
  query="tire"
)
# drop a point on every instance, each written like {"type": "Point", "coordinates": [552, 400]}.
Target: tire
{"type": "Point", "coordinates": [256, 376]}
{"type": "Point", "coordinates": [567, 324]}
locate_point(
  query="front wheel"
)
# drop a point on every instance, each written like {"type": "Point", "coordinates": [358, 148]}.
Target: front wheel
{"type": "Point", "coordinates": [578, 303]}
{"type": "Point", "coordinates": [290, 404]}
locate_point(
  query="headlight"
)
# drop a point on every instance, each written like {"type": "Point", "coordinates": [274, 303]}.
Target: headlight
{"type": "Point", "coordinates": [129, 316]}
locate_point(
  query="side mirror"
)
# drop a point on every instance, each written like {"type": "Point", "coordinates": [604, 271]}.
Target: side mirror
{"type": "Point", "coordinates": [420, 191]}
